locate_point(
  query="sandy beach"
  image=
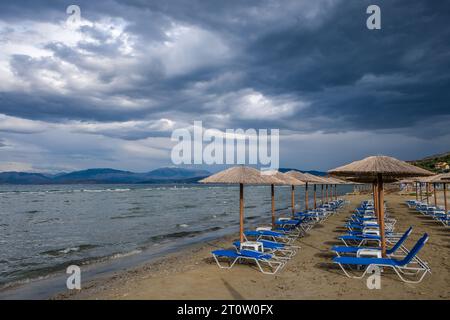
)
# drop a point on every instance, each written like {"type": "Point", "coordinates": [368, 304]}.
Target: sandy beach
{"type": "Point", "coordinates": [192, 273]}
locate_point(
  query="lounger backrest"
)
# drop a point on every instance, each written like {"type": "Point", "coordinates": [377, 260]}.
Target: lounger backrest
{"type": "Point", "coordinates": [420, 243]}
{"type": "Point", "coordinates": [401, 240]}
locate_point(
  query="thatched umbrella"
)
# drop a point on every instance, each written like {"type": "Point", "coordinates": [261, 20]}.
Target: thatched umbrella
{"type": "Point", "coordinates": [379, 169]}
{"type": "Point", "coordinates": [241, 175]}
{"type": "Point", "coordinates": [306, 178]}
{"type": "Point", "coordinates": [442, 178]}
{"type": "Point", "coordinates": [284, 180]}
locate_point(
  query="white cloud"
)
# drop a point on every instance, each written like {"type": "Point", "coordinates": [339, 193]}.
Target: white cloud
{"type": "Point", "coordinates": [188, 48]}
{"type": "Point", "coordinates": [130, 130]}
{"type": "Point", "coordinates": [249, 104]}
{"type": "Point", "coordinates": [18, 125]}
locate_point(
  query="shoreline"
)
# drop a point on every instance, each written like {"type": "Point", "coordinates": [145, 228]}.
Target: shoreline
{"type": "Point", "coordinates": [191, 273]}
{"type": "Point", "coordinates": [48, 286]}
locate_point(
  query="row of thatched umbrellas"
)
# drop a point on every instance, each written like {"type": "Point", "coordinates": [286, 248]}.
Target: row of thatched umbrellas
{"type": "Point", "coordinates": [378, 170]}
{"type": "Point", "coordinates": [375, 170]}
{"type": "Point", "coordinates": [442, 179]}
{"type": "Point", "coordinates": [243, 175]}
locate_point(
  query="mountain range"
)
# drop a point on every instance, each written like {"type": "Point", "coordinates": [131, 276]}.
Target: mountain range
{"type": "Point", "coordinates": [106, 175]}
{"type": "Point", "coordinates": [113, 176]}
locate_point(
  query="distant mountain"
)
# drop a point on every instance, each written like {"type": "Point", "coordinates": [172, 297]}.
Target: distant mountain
{"type": "Point", "coordinates": [314, 172]}
{"type": "Point", "coordinates": [106, 176]}
{"type": "Point", "coordinates": [99, 176]}
{"type": "Point", "coordinates": [23, 178]}
{"type": "Point", "coordinates": [176, 173]}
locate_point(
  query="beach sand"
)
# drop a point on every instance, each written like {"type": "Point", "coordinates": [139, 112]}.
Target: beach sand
{"type": "Point", "coordinates": [192, 274]}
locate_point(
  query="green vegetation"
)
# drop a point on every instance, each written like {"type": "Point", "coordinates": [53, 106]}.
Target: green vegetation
{"type": "Point", "coordinates": [429, 163]}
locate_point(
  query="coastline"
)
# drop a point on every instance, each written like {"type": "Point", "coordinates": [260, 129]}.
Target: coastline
{"type": "Point", "coordinates": [191, 273]}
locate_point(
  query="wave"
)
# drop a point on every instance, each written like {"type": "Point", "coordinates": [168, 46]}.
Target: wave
{"type": "Point", "coordinates": [64, 251]}
{"type": "Point", "coordinates": [105, 190]}
{"type": "Point", "coordinates": [128, 216]}
{"type": "Point", "coordinates": [135, 209]}
{"type": "Point", "coordinates": [125, 254]}
{"type": "Point", "coordinates": [33, 211]}
{"type": "Point", "coordinates": [182, 234]}
{"type": "Point", "coordinates": [47, 220]}
{"type": "Point", "coordinates": [44, 192]}
{"type": "Point", "coordinates": [182, 225]}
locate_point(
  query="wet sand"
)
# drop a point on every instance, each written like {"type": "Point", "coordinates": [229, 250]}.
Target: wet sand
{"type": "Point", "coordinates": [192, 274]}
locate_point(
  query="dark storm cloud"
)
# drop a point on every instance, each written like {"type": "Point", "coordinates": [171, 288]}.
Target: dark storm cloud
{"type": "Point", "coordinates": [317, 54]}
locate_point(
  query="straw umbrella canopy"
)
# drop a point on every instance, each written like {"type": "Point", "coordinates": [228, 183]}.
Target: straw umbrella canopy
{"type": "Point", "coordinates": [379, 169]}
{"type": "Point", "coordinates": [284, 180]}
{"type": "Point", "coordinates": [306, 178]}
{"type": "Point", "coordinates": [243, 176]}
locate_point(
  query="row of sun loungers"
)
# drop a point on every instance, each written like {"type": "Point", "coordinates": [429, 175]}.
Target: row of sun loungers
{"type": "Point", "coordinates": [362, 252]}
{"type": "Point", "coordinates": [437, 213]}
{"type": "Point", "coordinates": [269, 248]}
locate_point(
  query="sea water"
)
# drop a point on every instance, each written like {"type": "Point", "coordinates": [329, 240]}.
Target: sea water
{"type": "Point", "coordinates": [44, 229]}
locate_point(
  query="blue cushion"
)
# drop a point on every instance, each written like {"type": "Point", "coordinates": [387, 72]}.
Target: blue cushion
{"type": "Point", "coordinates": [365, 261]}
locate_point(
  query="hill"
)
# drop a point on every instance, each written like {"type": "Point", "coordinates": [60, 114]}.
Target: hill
{"type": "Point", "coordinates": [429, 163]}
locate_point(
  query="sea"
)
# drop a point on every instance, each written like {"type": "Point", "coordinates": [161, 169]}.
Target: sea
{"type": "Point", "coordinates": [46, 228]}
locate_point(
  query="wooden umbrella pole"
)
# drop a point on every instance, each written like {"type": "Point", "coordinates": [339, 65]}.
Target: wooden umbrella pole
{"type": "Point", "coordinates": [417, 192]}
{"type": "Point", "coordinates": [241, 212]}
{"type": "Point", "coordinates": [326, 195]}
{"type": "Point", "coordinates": [427, 190]}
{"type": "Point", "coordinates": [293, 200]}
{"type": "Point", "coordinates": [321, 194]}
{"type": "Point", "coordinates": [381, 210]}
{"type": "Point", "coordinates": [272, 189]}
{"type": "Point", "coordinates": [335, 192]}
{"type": "Point", "coordinates": [445, 198]}
{"type": "Point", "coordinates": [306, 196]}
{"type": "Point", "coordinates": [434, 192]}
{"type": "Point", "coordinates": [420, 191]}
{"type": "Point", "coordinates": [315, 200]}
{"type": "Point", "coordinates": [375, 201]}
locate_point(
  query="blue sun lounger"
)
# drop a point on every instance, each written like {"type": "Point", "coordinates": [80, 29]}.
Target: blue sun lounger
{"type": "Point", "coordinates": [261, 259]}
{"type": "Point", "coordinates": [403, 267]}
{"type": "Point", "coordinates": [275, 248]}
{"type": "Point", "coordinates": [270, 235]}
{"type": "Point", "coordinates": [354, 250]}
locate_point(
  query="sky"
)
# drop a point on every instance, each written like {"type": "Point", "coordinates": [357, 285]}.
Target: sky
{"type": "Point", "coordinates": [109, 90]}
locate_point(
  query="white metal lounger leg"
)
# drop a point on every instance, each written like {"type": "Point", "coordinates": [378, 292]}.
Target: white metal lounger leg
{"type": "Point", "coordinates": [352, 276]}
{"type": "Point", "coordinates": [398, 271]}
{"type": "Point", "coordinates": [274, 265]}
{"type": "Point", "coordinates": [419, 272]}
{"type": "Point", "coordinates": [222, 266]}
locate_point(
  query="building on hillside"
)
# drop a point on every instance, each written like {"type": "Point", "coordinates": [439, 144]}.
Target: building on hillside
{"type": "Point", "coordinates": [442, 166]}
